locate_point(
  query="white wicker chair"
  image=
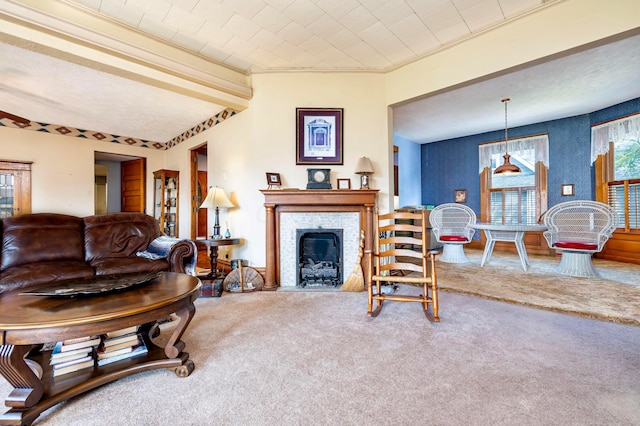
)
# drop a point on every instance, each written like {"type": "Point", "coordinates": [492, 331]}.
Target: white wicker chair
{"type": "Point", "coordinates": [578, 229]}
{"type": "Point", "coordinates": [451, 225]}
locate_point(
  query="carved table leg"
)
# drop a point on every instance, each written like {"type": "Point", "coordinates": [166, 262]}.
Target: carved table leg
{"type": "Point", "coordinates": [175, 346]}
{"type": "Point", "coordinates": [28, 388]}
{"type": "Point", "coordinates": [213, 261]}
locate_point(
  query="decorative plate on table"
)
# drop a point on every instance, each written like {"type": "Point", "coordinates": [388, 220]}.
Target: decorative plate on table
{"type": "Point", "coordinates": [92, 286]}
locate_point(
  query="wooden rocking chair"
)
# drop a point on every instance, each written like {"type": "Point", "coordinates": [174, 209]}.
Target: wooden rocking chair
{"type": "Point", "coordinates": [401, 254]}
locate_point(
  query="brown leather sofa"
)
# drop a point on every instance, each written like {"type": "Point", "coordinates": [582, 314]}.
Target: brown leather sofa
{"type": "Point", "coordinates": [49, 247]}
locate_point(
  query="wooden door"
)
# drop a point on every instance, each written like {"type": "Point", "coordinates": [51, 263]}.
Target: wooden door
{"type": "Point", "coordinates": [202, 213]}
{"type": "Point", "coordinates": [133, 174]}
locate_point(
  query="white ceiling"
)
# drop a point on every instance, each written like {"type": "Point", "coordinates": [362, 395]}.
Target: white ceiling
{"type": "Point", "coordinates": [333, 35]}
{"type": "Point", "coordinates": [572, 85]}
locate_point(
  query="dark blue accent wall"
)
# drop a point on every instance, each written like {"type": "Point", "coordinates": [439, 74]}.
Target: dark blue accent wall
{"type": "Point", "coordinates": [615, 111]}
{"type": "Point", "coordinates": [453, 164]}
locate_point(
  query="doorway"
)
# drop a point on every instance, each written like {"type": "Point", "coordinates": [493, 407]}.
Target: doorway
{"type": "Point", "coordinates": [120, 183]}
{"type": "Point", "coordinates": [199, 187]}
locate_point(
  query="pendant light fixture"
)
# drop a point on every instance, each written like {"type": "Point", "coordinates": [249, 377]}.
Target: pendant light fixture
{"type": "Point", "coordinates": [507, 168]}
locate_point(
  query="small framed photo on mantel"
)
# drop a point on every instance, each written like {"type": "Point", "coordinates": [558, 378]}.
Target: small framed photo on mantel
{"type": "Point", "coordinates": [344, 183]}
{"type": "Point", "coordinates": [273, 180]}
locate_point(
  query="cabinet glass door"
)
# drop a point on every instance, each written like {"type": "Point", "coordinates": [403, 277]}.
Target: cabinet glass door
{"type": "Point", "coordinates": [7, 188]}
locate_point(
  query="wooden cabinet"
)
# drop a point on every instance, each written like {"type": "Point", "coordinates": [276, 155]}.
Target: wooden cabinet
{"type": "Point", "coordinates": [15, 188]}
{"type": "Point", "coordinates": [165, 202]}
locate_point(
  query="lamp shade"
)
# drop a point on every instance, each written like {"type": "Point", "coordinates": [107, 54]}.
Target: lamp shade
{"type": "Point", "coordinates": [364, 166]}
{"type": "Point", "coordinates": [216, 197]}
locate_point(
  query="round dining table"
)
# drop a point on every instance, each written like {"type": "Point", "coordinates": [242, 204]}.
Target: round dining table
{"type": "Point", "coordinates": [507, 232]}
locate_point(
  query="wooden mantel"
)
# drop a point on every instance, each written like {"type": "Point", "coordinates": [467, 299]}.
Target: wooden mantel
{"type": "Point", "coordinates": [319, 200]}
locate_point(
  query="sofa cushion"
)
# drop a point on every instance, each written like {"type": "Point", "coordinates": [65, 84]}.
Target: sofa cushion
{"type": "Point", "coordinates": [119, 265]}
{"type": "Point", "coordinates": [41, 237]}
{"type": "Point", "coordinates": [118, 235]}
{"type": "Point", "coordinates": [43, 272]}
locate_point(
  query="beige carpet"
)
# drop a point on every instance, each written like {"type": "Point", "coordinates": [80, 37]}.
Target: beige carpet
{"type": "Point", "coordinates": [315, 358]}
{"type": "Point", "coordinates": [615, 296]}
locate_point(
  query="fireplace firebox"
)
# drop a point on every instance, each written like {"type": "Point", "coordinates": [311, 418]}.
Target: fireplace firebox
{"type": "Point", "coordinates": [320, 258]}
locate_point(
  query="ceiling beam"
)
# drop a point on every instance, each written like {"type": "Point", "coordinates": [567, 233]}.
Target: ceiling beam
{"type": "Point", "coordinates": [81, 36]}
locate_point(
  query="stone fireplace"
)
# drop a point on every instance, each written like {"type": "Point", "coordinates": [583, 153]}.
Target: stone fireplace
{"type": "Point", "coordinates": [318, 212]}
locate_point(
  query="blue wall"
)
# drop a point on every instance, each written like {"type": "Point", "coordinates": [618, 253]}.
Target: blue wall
{"type": "Point", "coordinates": [453, 164]}
{"type": "Point", "coordinates": [409, 172]}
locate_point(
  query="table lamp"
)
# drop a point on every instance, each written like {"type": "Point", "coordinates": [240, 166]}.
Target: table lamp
{"type": "Point", "coordinates": [364, 169]}
{"type": "Point", "coordinates": [216, 198]}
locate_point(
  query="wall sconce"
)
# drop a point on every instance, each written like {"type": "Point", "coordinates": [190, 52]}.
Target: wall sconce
{"type": "Point", "coordinates": [364, 169]}
{"type": "Point", "coordinates": [216, 198]}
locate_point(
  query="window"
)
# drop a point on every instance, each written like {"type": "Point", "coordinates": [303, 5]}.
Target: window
{"type": "Point", "coordinates": [623, 196]}
{"type": "Point", "coordinates": [519, 198]}
{"type": "Point", "coordinates": [513, 196]}
{"type": "Point", "coordinates": [616, 146]}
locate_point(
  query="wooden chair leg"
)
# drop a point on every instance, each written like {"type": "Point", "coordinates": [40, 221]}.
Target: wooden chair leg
{"type": "Point", "coordinates": [434, 298]}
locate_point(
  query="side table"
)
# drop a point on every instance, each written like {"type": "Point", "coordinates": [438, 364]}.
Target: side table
{"type": "Point", "coordinates": [213, 245]}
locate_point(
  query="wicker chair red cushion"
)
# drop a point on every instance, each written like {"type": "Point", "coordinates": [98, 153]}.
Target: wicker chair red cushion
{"type": "Point", "coordinates": [453, 238]}
{"type": "Point", "coordinates": [576, 245]}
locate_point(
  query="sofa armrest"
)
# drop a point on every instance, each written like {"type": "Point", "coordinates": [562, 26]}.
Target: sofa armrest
{"type": "Point", "coordinates": [181, 255]}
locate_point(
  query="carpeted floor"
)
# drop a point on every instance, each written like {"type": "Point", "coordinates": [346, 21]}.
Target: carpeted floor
{"type": "Point", "coordinates": [312, 357]}
{"type": "Point", "coordinates": [615, 296]}
{"type": "Point", "coordinates": [315, 358]}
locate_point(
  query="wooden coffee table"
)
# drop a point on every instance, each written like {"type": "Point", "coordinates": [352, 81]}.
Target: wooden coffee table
{"type": "Point", "coordinates": [27, 321]}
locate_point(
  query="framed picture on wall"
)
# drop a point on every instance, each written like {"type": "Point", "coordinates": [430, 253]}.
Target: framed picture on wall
{"type": "Point", "coordinates": [567, 189]}
{"type": "Point", "coordinates": [319, 136]}
{"type": "Point", "coordinates": [460, 195]}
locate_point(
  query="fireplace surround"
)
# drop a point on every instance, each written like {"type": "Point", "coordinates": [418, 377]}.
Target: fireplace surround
{"type": "Point", "coordinates": [312, 205]}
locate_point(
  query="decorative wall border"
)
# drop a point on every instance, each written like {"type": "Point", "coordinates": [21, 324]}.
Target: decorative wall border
{"type": "Point", "coordinates": [206, 124]}
{"type": "Point", "coordinates": [125, 140]}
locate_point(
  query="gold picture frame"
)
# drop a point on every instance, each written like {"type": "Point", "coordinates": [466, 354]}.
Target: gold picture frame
{"type": "Point", "coordinates": [460, 195]}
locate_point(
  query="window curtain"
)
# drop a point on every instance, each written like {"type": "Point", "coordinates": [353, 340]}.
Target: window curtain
{"type": "Point", "coordinates": [624, 128]}
{"type": "Point", "coordinates": [540, 145]}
